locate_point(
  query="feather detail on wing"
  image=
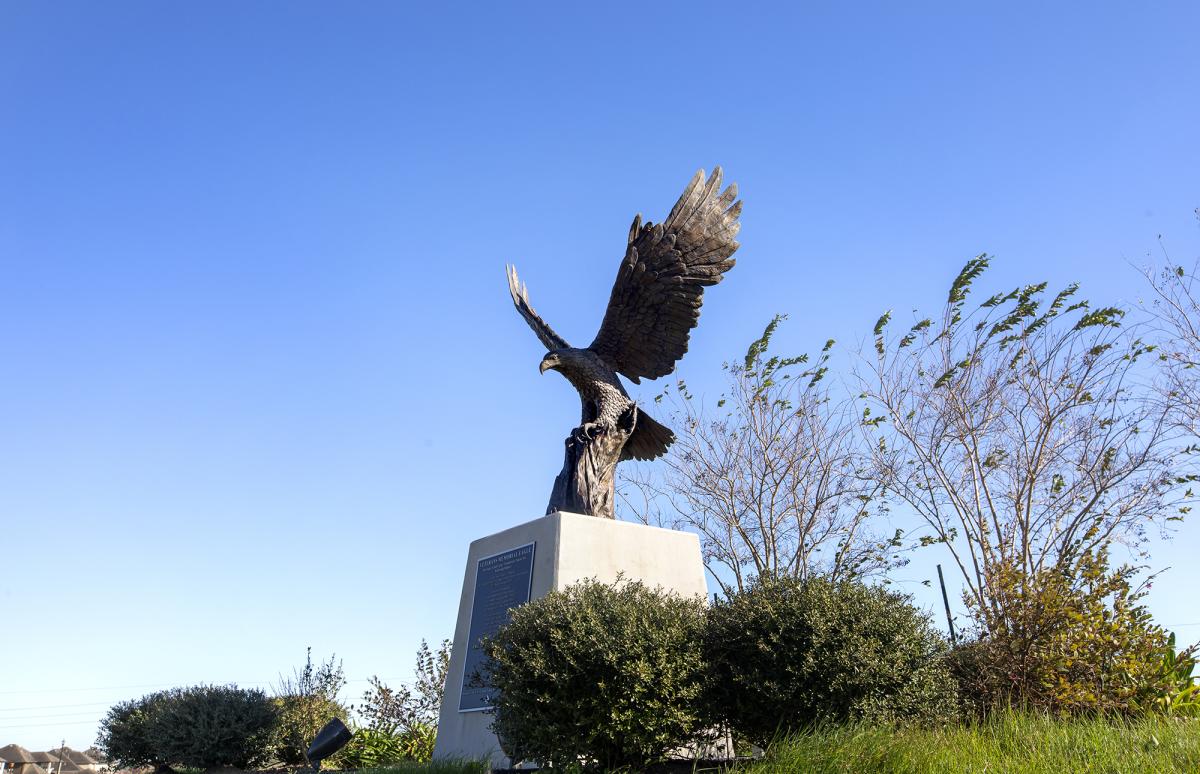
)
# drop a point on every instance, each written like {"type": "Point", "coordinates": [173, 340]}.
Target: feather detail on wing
{"type": "Point", "coordinates": [520, 297]}
{"type": "Point", "coordinates": [656, 299]}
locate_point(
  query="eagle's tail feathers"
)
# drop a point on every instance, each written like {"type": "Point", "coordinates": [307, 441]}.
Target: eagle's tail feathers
{"type": "Point", "coordinates": [648, 440]}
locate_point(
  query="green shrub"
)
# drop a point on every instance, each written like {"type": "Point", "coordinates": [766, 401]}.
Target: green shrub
{"type": "Point", "coordinates": [600, 675]}
{"type": "Point", "coordinates": [299, 720]}
{"type": "Point", "coordinates": [788, 653]}
{"type": "Point", "coordinates": [1070, 640]}
{"type": "Point", "coordinates": [124, 739]}
{"type": "Point", "coordinates": [304, 703]}
{"type": "Point", "coordinates": [208, 726]}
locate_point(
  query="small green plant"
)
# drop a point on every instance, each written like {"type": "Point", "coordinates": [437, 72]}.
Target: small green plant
{"type": "Point", "coordinates": [305, 702]}
{"type": "Point", "coordinates": [789, 653]}
{"type": "Point", "coordinates": [417, 742]}
{"type": "Point", "coordinates": [1179, 688]}
{"type": "Point", "coordinates": [371, 747]}
{"type": "Point", "coordinates": [401, 724]}
{"type": "Point", "coordinates": [599, 676]}
{"type": "Point", "coordinates": [405, 709]}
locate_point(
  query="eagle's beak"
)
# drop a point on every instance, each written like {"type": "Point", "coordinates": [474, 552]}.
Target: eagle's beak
{"type": "Point", "coordinates": [546, 364]}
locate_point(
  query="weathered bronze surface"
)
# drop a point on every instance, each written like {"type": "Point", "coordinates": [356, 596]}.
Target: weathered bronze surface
{"type": "Point", "coordinates": [654, 305]}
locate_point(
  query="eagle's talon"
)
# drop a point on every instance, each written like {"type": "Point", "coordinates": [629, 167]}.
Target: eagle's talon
{"type": "Point", "coordinates": [586, 433]}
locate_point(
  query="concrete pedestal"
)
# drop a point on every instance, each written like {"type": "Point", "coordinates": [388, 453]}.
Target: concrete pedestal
{"type": "Point", "coordinates": [568, 548]}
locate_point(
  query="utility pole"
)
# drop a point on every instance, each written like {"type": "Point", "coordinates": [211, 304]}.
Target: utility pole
{"type": "Point", "coordinates": [946, 602]}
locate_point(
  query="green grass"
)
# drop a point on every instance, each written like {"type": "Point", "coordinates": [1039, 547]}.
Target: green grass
{"type": "Point", "coordinates": [432, 767]}
{"type": "Point", "coordinates": [1007, 744]}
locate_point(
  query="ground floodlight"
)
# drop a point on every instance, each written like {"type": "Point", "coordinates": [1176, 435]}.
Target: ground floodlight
{"type": "Point", "coordinates": [328, 740]}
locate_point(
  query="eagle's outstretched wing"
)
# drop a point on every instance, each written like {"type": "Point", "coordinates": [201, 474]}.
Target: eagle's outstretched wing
{"type": "Point", "coordinates": [520, 297]}
{"type": "Point", "coordinates": [655, 301]}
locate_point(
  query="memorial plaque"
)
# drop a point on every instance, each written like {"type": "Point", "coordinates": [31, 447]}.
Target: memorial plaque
{"type": "Point", "coordinates": [502, 582]}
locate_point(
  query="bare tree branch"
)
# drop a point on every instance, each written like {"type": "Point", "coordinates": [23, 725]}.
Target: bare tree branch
{"type": "Point", "coordinates": [773, 476]}
{"type": "Point", "coordinates": [1024, 432]}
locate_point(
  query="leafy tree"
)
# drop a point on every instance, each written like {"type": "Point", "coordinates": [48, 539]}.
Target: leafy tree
{"type": "Point", "coordinates": [1021, 433]}
{"type": "Point", "coordinates": [772, 474]}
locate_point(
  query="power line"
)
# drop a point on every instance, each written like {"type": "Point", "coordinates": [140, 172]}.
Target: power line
{"type": "Point", "coordinates": [387, 681]}
{"type": "Point", "coordinates": [95, 714]}
{"type": "Point", "coordinates": [55, 706]}
{"type": "Point", "coordinates": [47, 725]}
{"type": "Point", "coordinates": [53, 717]}
{"type": "Point", "coordinates": [78, 690]}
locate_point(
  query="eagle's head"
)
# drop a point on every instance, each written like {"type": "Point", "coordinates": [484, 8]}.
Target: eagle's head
{"type": "Point", "coordinates": [567, 361]}
{"type": "Point", "coordinates": [553, 359]}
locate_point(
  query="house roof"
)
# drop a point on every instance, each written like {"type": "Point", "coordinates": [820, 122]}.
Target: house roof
{"type": "Point", "coordinates": [32, 768]}
{"type": "Point", "coordinates": [74, 756]}
{"type": "Point", "coordinates": [43, 756]}
{"type": "Point", "coordinates": [15, 753]}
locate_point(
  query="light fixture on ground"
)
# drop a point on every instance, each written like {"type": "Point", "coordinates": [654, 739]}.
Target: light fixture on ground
{"type": "Point", "coordinates": [328, 740]}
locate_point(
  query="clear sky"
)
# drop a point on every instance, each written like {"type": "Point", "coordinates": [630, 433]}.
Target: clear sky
{"type": "Point", "coordinates": [261, 379]}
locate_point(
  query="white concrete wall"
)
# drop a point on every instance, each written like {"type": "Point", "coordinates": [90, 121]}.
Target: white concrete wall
{"type": "Point", "coordinates": [570, 547]}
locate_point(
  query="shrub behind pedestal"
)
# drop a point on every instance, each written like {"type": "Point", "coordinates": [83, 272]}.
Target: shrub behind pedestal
{"type": "Point", "coordinates": [789, 653]}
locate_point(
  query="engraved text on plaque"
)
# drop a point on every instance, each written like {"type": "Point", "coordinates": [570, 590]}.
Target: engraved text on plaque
{"type": "Point", "coordinates": [502, 582]}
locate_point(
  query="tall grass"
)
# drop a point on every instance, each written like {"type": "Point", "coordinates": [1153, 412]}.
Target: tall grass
{"type": "Point", "coordinates": [1008, 743]}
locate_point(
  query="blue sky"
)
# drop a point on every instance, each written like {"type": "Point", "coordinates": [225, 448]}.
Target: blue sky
{"type": "Point", "coordinates": [262, 381]}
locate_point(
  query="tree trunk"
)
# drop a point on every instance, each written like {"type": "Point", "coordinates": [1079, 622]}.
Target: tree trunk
{"type": "Point", "coordinates": [586, 483]}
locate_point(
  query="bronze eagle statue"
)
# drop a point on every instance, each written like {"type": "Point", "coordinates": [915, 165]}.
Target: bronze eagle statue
{"type": "Point", "coordinates": [654, 305]}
